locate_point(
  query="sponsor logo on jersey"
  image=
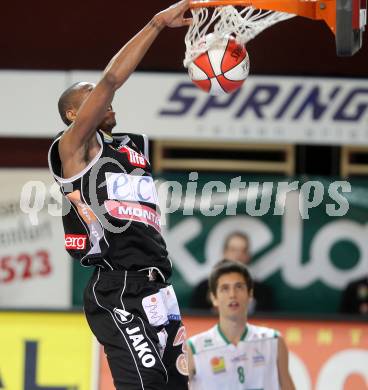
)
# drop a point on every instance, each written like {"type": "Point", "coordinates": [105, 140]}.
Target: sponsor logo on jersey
{"type": "Point", "coordinates": [161, 307]}
{"type": "Point", "coordinates": [171, 303]}
{"type": "Point", "coordinates": [141, 346]}
{"type": "Point", "coordinates": [155, 309]}
{"type": "Point", "coordinates": [240, 358]}
{"type": "Point", "coordinates": [180, 337]}
{"type": "Point", "coordinates": [182, 364]}
{"type": "Point", "coordinates": [133, 212]}
{"type": "Point", "coordinates": [136, 159]}
{"type": "Point", "coordinates": [122, 316]}
{"type": "Point", "coordinates": [75, 241]}
{"type": "Point", "coordinates": [208, 343]}
{"type": "Point", "coordinates": [121, 186]}
{"type": "Point", "coordinates": [174, 317]}
{"type": "Point", "coordinates": [258, 358]}
{"type": "Point", "coordinates": [83, 210]}
{"type": "Point", "coordinates": [218, 364]}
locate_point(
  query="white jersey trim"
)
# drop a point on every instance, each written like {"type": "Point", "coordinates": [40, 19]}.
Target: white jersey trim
{"type": "Point", "coordinates": [84, 171]}
{"type": "Point", "coordinates": [146, 147]}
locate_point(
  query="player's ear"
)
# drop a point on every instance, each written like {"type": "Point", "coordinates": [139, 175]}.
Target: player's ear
{"type": "Point", "coordinates": [71, 115]}
{"type": "Point", "coordinates": [213, 300]}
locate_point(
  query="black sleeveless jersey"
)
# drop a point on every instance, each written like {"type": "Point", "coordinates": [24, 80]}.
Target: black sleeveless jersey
{"type": "Point", "coordinates": [110, 209]}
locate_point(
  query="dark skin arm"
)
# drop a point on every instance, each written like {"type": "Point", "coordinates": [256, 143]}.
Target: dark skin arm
{"type": "Point", "coordinates": [78, 145]}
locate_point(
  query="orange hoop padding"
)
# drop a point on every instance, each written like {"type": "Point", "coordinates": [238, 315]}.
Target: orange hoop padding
{"type": "Point", "coordinates": [312, 9]}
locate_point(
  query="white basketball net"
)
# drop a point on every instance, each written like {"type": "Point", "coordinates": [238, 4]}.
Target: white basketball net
{"type": "Point", "coordinates": [244, 25]}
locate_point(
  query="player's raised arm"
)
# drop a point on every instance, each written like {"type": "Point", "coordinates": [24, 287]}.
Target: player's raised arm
{"type": "Point", "coordinates": [286, 382]}
{"type": "Point", "coordinates": [86, 119]}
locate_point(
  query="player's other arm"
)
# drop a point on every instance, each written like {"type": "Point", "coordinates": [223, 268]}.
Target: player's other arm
{"type": "Point", "coordinates": [286, 382]}
{"type": "Point", "coordinates": [191, 364]}
{"type": "Point", "coordinates": [116, 73]}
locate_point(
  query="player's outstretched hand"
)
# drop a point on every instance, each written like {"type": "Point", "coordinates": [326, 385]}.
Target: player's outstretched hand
{"type": "Point", "coordinates": [174, 15]}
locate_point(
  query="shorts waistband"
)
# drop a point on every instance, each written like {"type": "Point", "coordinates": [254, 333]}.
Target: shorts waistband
{"type": "Point", "coordinates": [150, 274]}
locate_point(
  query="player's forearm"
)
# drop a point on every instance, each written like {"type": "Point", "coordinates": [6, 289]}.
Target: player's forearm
{"type": "Point", "coordinates": [123, 64]}
{"type": "Point", "coordinates": [288, 384]}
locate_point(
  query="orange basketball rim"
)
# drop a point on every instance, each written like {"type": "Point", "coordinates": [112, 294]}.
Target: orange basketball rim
{"type": "Point", "coordinates": [346, 18]}
{"type": "Point", "coordinates": [313, 9]}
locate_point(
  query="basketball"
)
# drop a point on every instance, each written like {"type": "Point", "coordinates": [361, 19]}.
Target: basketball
{"type": "Point", "coordinates": [222, 69]}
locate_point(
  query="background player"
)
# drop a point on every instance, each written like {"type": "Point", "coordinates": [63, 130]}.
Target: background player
{"type": "Point", "coordinates": [235, 354]}
{"type": "Point", "coordinates": [236, 248]}
{"type": "Point", "coordinates": [129, 306]}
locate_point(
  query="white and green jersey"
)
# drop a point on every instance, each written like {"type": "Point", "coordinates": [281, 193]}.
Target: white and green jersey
{"type": "Point", "coordinates": [250, 365]}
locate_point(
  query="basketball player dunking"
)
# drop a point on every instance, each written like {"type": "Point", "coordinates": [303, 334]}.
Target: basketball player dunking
{"type": "Point", "coordinates": [113, 224]}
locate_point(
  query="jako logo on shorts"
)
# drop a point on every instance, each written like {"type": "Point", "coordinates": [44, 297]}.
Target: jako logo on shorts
{"type": "Point", "coordinates": [75, 241]}
{"type": "Point", "coordinates": [141, 347]}
{"type": "Point", "coordinates": [123, 316]}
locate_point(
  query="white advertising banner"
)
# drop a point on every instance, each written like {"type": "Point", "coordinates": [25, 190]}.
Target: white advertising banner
{"type": "Point", "coordinates": [269, 109]}
{"type": "Point", "coordinates": [35, 270]}
{"type": "Point", "coordinates": [28, 101]}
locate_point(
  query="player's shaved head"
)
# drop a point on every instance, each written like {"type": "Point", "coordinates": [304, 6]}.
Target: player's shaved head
{"type": "Point", "coordinates": [72, 98]}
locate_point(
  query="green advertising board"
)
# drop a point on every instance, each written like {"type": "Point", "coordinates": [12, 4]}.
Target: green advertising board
{"type": "Point", "coordinates": [308, 235]}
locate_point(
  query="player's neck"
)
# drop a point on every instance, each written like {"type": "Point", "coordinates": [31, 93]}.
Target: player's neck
{"type": "Point", "coordinates": [233, 330]}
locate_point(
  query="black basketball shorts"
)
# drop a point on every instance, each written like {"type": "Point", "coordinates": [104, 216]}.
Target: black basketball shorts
{"type": "Point", "coordinates": [138, 322]}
